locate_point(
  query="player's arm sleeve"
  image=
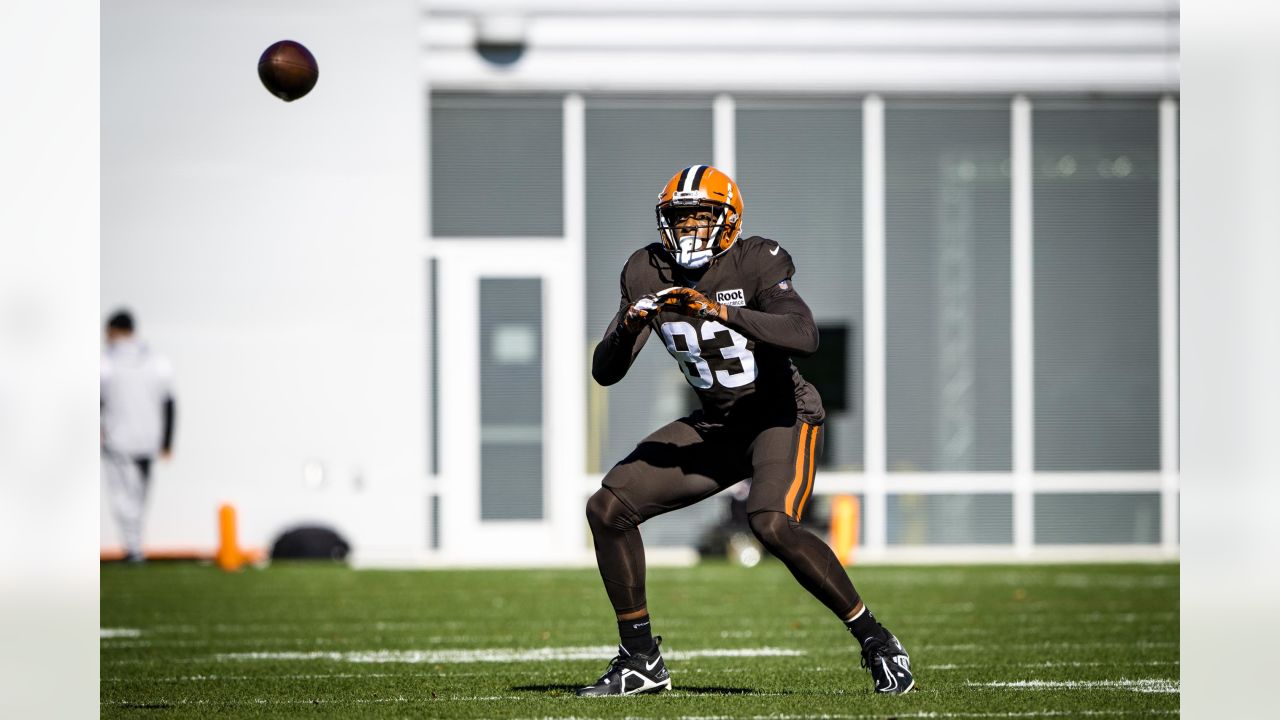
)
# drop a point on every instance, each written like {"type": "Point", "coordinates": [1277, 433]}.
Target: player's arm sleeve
{"type": "Point", "coordinates": [170, 417]}
{"type": "Point", "coordinates": [780, 318]}
{"type": "Point", "coordinates": [615, 353]}
{"type": "Point", "coordinates": [164, 376]}
{"type": "Point", "coordinates": [783, 321]}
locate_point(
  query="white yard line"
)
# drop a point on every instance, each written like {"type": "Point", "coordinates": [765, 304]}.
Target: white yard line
{"type": "Point", "coordinates": [593, 652]}
{"type": "Point", "coordinates": [158, 702]}
{"type": "Point", "coordinates": [258, 640]}
{"type": "Point", "coordinates": [1052, 664]}
{"type": "Point", "coordinates": [258, 628]}
{"type": "Point", "coordinates": [277, 701]}
{"type": "Point", "coordinates": [919, 714]}
{"type": "Point", "coordinates": [221, 678]}
{"type": "Point", "coordinates": [119, 632]}
{"type": "Point", "coordinates": [1053, 645]}
{"type": "Point", "coordinates": [1144, 685]}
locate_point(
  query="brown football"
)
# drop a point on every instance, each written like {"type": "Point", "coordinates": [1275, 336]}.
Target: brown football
{"type": "Point", "coordinates": [288, 70]}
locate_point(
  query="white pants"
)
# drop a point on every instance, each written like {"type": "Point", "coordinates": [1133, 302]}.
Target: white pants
{"type": "Point", "coordinates": [127, 487]}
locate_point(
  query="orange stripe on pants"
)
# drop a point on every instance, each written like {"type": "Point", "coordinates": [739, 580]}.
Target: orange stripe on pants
{"type": "Point", "coordinates": [799, 480]}
{"type": "Point", "coordinates": [813, 469]}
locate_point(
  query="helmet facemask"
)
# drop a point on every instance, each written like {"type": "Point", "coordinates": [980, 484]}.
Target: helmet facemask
{"type": "Point", "coordinates": [692, 232]}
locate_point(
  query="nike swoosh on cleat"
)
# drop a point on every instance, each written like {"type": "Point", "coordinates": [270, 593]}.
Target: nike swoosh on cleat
{"type": "Point", "coordinates": [774, 251]}
{"type": "Point", "coordinates": [652, 665]}
{"type": "Point", "coordinates": [893, 682]}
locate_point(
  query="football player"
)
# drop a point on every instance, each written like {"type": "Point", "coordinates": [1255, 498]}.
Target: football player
{"type": "Point", "coordinates": [727, 310]}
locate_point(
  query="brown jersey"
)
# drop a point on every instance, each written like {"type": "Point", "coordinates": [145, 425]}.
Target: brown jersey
{"type": "Point", "coordinates": [741, 367]}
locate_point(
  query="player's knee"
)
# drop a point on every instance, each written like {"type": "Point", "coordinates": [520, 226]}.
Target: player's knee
{"type": "Point", "coordinates": [606, 511]}
{"type": "Point", "coordinates": [771, 528]}
{"type": "Point", "coordinates": [598, 508]}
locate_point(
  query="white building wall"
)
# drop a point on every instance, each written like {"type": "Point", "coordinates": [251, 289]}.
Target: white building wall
{"type": "Point", "coordinates": [807, 46]}
{"type": "Point", "coordinates": [273, 251]}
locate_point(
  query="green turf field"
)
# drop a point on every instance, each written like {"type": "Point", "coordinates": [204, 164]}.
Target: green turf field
{"type": "Point", "coordinates": [322, 640]}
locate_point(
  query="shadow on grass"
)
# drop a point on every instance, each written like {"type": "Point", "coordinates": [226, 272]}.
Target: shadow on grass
{"type": "Point", "coordinates": [694, 690]}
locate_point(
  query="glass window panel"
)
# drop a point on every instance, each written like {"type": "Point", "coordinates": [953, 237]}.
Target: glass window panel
{"type": "Point", "coordinates": [510, 399]}
{"type": "Point", "coordinates": [496, 166]}
{"type": "Point", "coordinates": [817, 517]}
{"type": "Point", "coordinates": [799, 163]}
{"type": "Point", "coordinates": [1097, 518]}
{"type": "Point", "coordinates": [947, 263]}
{"type": "Point", "coordinates": [1097, 373]}
{"type": "Point", "coordinates": [966, 519]}
{"type": "Point", "coordinates": [688, 526]}
{"type": "Point", "coordinates": [633, 146]}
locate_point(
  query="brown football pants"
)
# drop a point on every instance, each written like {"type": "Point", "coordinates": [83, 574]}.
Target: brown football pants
{"type": "Point", "coordinates": [683, 463]}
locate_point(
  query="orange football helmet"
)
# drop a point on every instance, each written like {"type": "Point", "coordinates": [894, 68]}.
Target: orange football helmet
{"type": "Point", "coordinates": [693, 189]}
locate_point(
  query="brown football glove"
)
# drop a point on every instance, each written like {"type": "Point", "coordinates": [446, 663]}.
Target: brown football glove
{"type": "Point", "coordinates": [637, 314]}
{"type": "Point", "coordinates": [688, 301]}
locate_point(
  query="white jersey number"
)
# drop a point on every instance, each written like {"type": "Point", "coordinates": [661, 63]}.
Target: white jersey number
{"type": "Point", "coordinates": [695, 367]}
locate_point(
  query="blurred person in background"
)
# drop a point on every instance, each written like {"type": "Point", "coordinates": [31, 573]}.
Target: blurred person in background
{"type": "Point", "coordinates": [728, 312]}
{"type": "Point", "coordinates": [137, 411]}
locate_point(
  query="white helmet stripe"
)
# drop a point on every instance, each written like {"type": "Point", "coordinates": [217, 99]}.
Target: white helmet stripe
{"type": "Point", "coordinates": [692, 176]}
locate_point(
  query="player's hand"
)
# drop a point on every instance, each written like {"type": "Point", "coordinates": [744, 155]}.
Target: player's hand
{"type": "Point", "coordinates": [638, 312]}
{"type": "Point", "coordinates": [688, 301]}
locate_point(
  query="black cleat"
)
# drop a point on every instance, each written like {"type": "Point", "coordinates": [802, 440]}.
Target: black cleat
{"type": "Point", "coordinates": [889, 664]}
{"type": "Point", "coordinates": [632, 675]}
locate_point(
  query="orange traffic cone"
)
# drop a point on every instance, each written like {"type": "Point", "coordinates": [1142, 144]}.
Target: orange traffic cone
{"type": "Point", "coordinates": [229, 557]}
{"type": "Point", "coordinates": [846, 512]}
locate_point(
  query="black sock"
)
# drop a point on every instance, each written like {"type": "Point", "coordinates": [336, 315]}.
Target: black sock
{"type": "Point", "coordinates": [636, 634]}
{"type": "Point", "coordinates": [864, 626]}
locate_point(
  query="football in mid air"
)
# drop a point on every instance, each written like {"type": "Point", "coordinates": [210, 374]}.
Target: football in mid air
{"type": "Point", "coordinates": [288, 70]}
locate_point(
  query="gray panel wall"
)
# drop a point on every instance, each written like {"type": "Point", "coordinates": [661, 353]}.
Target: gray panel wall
{"type": "Point", "coordinates": [632, 148]}
{"type": "Point", "coordinates": [948, 284]}
{"type": "Point", "coordinates": [496, 166]}
{"type": "Point", "coordinates": [799, 164]}
{"type": "Point", "coordinates": [511, 399]}
{"type": "Point", "coordinates": [1097, 324]}
{"type": "Point", "coordinates": [979, 518]}
{"type": "Point", "coordinates": [947, 261]}
{"type": "Point", "coordinates": [1097, 518]}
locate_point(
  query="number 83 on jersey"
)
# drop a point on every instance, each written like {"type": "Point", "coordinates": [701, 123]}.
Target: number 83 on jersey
{"type": "Point", "coordinates": [695, 367]}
